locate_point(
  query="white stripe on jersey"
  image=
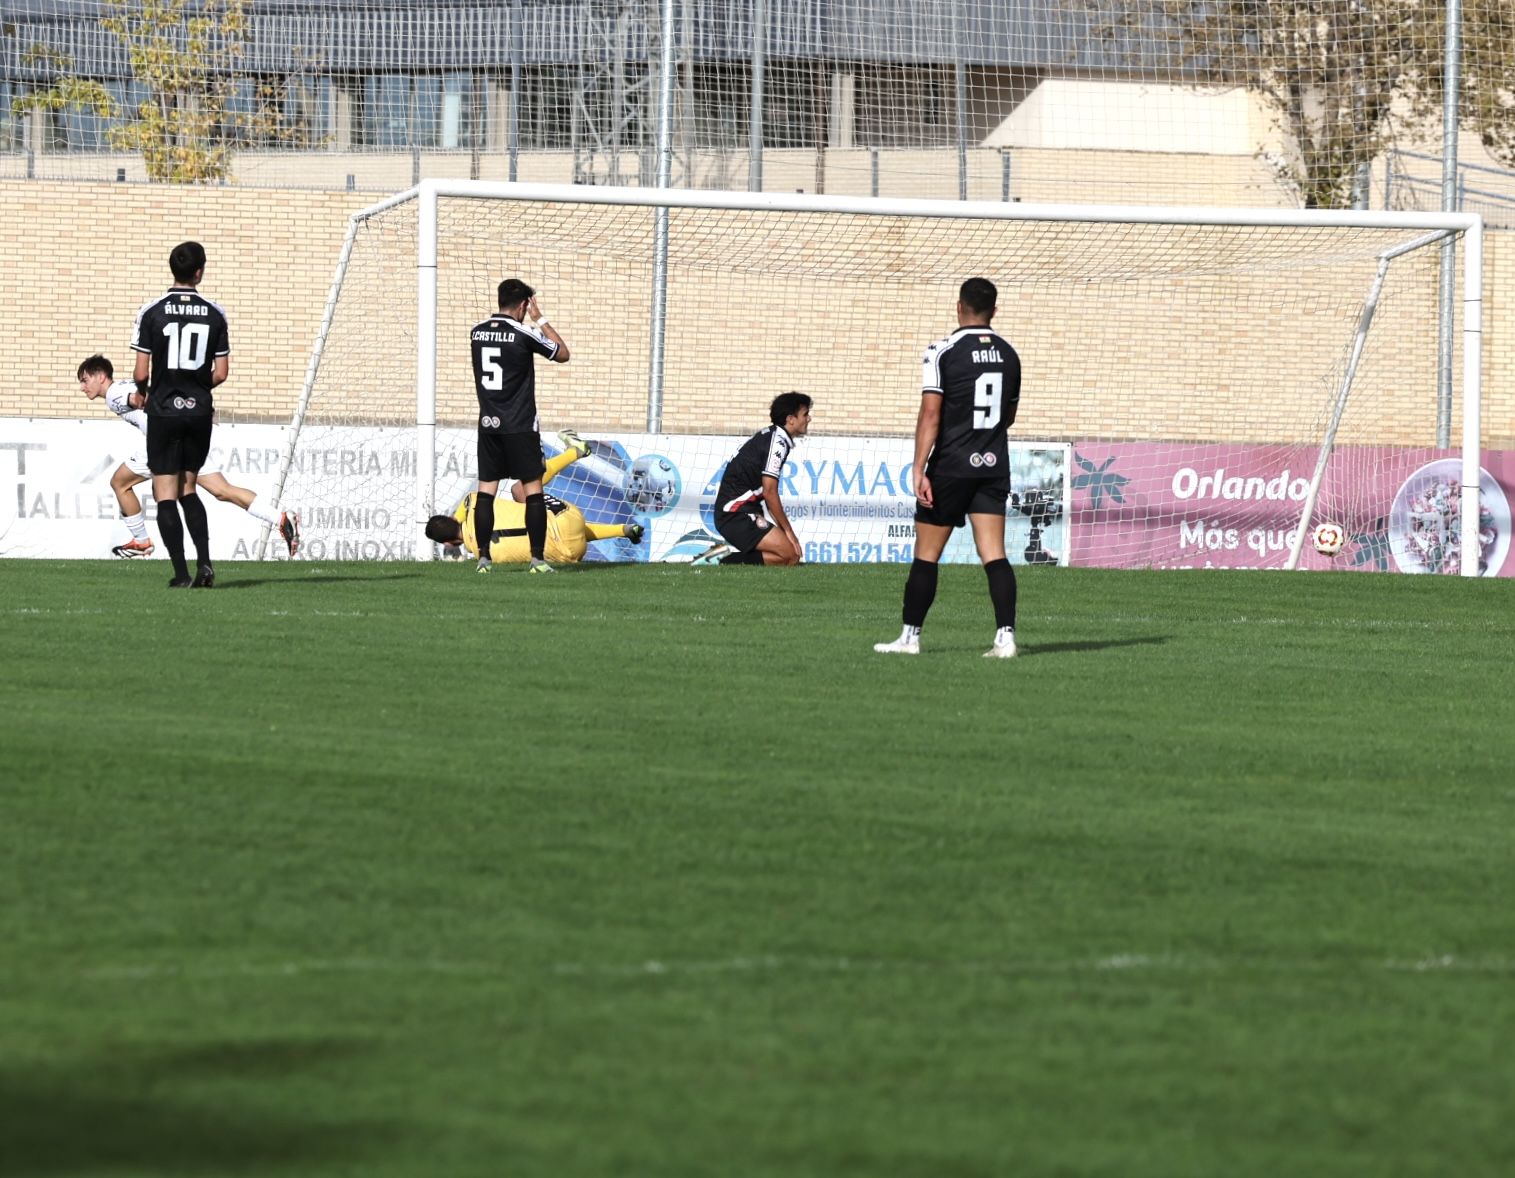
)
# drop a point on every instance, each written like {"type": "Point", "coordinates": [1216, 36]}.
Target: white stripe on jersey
{"type": "Point", "coordinates": [552, 348]}
{"type": "Point", "coordinates": [741, 501]}
{"type": "Point", "coordinates": [137, 345]}
{"type": "Point", "coordinates": [142, 310]}
{"type": "Point", "coordinates": [118, 401]}
{"type": "Point", "coordinates": [931, 362]}
{"type": "Point", "coordinates": [779, 446]}
{"type": "Point", "coordinates": [225, 320]}
{"type": "Point", "coordinates": [778, 450]}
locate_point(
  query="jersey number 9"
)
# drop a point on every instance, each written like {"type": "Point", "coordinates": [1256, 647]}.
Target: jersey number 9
{"type": "Point", "coordinates": [988, 390]}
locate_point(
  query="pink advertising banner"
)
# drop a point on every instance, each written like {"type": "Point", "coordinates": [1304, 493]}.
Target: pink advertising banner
{"type": "Point", "coordinates": [1171, 505]}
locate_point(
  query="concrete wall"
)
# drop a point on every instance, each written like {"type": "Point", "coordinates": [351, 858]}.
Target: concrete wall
{"type": "Point", "coordinates": [1033, 173]}
{"type": "Point", "coordinates": [1132, 116]}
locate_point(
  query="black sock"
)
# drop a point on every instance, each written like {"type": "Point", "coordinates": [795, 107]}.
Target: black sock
{"type": "Point", "coordinates": [171, 528]}
{"type": "Point", "coordinates": [1002, 592]}
{"type": "Point", "coordinates": [198, 525]}
{"type": "Point", "coordinates": [483, 522]}
{"type": "Point", "coordinates": [536, 525]}
{"type": "Point", "coordinates": [753, 557]}
{"type": "Point", "coordinates": [920, 591]}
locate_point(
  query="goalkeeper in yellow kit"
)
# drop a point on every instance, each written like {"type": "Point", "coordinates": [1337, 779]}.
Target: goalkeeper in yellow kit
{"type": "Point", "coordinates": [569, 534]}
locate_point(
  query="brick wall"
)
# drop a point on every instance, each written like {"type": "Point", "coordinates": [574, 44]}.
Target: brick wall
{"type": "Point", "coordinates": [756, 305]}
{"type": "Point", "coordinates": [78, 260]}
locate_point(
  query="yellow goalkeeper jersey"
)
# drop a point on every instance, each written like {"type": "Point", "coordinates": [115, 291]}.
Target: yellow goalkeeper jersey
{"type": "Point", "coordinates": [567, 534]}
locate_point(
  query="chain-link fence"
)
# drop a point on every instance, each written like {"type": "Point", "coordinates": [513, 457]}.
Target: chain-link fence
{"type": "Point", "coordinates": [1141, 101]}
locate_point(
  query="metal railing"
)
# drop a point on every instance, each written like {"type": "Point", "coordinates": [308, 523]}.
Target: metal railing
{"type": "Point", "coordinates": [1497, 205]}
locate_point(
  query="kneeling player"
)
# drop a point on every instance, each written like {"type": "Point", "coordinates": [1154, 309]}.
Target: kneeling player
{"type": "Point", "coordinates": [751, 483]}
{"type": "Point", "coordinates": [970, 390]}
{"type": "Point", "coordinates": [569, 534]}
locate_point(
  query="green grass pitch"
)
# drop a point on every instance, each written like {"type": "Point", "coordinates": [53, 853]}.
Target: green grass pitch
{"type": "Point", "coordinates": [392, 870]}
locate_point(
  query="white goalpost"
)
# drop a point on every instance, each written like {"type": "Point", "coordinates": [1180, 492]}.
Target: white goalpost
{"type": "Point", "coordinates": [1200, 384]}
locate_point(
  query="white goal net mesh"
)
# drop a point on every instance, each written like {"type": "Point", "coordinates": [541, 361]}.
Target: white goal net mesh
{"type": "Point", "coordinates": [1179, 378]}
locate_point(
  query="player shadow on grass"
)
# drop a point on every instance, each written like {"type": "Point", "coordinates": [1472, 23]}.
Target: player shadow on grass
{"type": "Point", "coordinates": [1074, 647]}
{"type": "Point", "coordinates": [323, 579]}
{"type": "Point", "coordinates": [206, 1110]}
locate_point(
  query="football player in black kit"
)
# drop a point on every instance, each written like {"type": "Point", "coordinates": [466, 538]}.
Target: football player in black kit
{"type": "Point", "coordinates": [183, 353]}
{"type": "Point", "coordinates": [505, 349]}
{"type": "Point", "coordinates": [751, 484]}
{"type": "Point", "coordinates": [970, 389]}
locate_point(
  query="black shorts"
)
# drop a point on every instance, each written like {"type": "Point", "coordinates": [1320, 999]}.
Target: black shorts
{"type": "Point", "coordinates": [510, 456]}
{"type": "Point", "coordinates": [741, 529]}
{"type": "Point", "coordinates": [178, 444]}
{"type": "Point", "coordinates": [956, 499]}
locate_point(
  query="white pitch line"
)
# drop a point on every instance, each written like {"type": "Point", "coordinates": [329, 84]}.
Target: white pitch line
{"type": "Point", "coordinates": [1128, 963]}
{"type": "Point", "coordinates": [62, 613]}
{"type": "Point", "coordinates": [285, 969]}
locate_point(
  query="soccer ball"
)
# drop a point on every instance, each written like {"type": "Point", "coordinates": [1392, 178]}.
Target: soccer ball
{"type": "Point", "coordinates": [652, 484]}
{"type": "Point", "coordinates": [1328, 538]}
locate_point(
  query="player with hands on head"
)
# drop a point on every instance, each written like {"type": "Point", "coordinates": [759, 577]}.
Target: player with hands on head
{"type": "Point", "coordinates": [751, 483]}
{"type": "Point", "coordinates": [970, 390]}
{"type": "Point", "coordinates": [505, 348]}
{"type": "Point", "coordinates": [123, 398]}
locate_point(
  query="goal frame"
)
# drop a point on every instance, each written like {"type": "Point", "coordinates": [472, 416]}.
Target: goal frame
{"type": "Point", "coordinates": [428, 193]}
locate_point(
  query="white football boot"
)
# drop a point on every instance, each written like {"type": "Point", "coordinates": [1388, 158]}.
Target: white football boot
{"type": "Point", "coordinates": [1004, 645]}
{"type": "Point", "coordinates": [909, 642]}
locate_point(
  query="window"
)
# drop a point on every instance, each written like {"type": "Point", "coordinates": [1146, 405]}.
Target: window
{"type": "Point", "coordinates": [722, 105]}
{"type": "Point", "coordinates": [610, 113]}
{"type": "Point", "coordinates": [792, 114]}
{"type": "Point", "coordinates": [906, 106]}
{"type": "Point", "coordinates": [83, 128]}
{"type": "Point", "coordinates": [10, 124]}
{"type": "Point", "coordinates": [306, 110]}
{"type": "Point", "coordinates": [239, 111]}
{"type": "Point", "coordinates": [422, 110]}
{"type": "Point", "coordinates": [384, 111]}
{"type": "Point", "coordinates": [458, 114]}
{"type": "Point", "coordinates": [547, 108]}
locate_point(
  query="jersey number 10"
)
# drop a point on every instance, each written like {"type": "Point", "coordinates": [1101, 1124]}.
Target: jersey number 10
{"type": "Point", "coordinates": [988, 390]}
{"type": "Point", "coordinates": [187, 344]}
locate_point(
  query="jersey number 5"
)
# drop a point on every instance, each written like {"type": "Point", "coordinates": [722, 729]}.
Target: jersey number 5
{"type": "Point", "coordinates": [187, 343]}
{"type": "Point", "coordinates": [491, 375]}
{"type": "Point", "coordinates": [988, 389]}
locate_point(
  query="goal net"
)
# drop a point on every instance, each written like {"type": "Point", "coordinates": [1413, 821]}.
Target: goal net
{"type": "Point", "coordinates": [1198, 384]}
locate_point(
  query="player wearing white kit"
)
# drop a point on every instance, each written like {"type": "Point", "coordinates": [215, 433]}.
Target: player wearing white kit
{"type": "Point", "coordinates": [122, 397]}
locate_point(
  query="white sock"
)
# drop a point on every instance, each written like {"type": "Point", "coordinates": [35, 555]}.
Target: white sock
{"type": "Point", "coordinates": [258, 511]}
{"type": "Point", "coordinates": [910, 634]}
{"type": "Point", "coordinates": [136, 525]}
{"type": "Point", "coordinates": [1003, 635]}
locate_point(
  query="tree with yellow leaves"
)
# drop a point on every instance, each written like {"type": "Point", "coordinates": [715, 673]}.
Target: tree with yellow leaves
{"type": "Point", "coordinates": [1345, 79]}
{"type": "Point", "coordinates": [186, 53]}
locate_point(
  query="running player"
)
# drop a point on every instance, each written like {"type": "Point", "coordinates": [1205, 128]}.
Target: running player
{"type": "Point", "coordinates": [751, 483]}
{"type": "Point", "coordinates": [970, 390]}
{"type": "Point", "coordinates": [124, 400]}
